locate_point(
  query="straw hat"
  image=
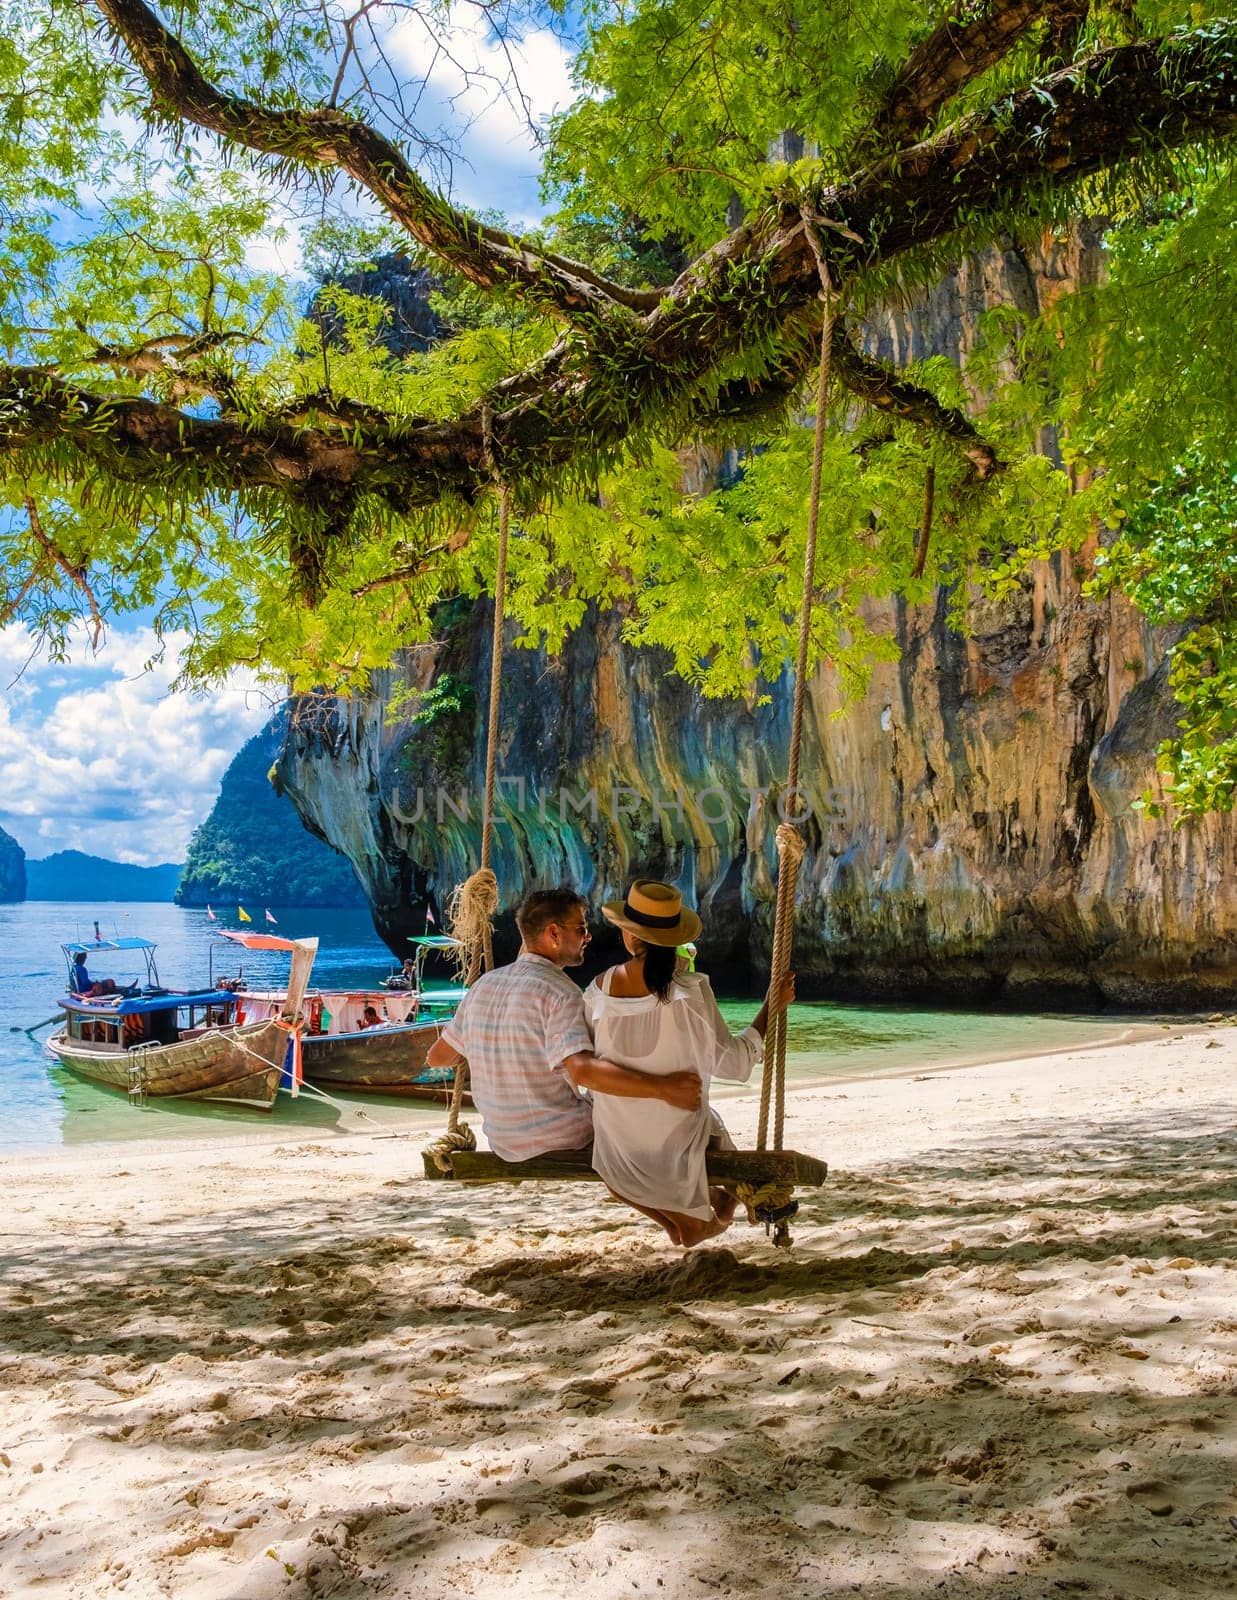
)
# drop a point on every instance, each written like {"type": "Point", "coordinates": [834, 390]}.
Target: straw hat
{"type": "Point", "coordinates": [654, 912]}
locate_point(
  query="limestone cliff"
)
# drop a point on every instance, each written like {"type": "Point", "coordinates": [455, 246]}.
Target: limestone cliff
{"type": "Point", "coordinates": [972, 835]}
{"type": "Point", "coordinates": [12, 868]}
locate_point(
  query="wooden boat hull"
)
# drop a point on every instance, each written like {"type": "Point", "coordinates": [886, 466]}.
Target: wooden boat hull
{"type": "Point", "coordinates": [233, 1066]}
{"type": "Point", "coordinates": [378, 1061]}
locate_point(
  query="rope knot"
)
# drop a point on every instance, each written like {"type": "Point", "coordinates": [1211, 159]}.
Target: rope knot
{"type": "Point", "coordinates": [771, 1203]}
{"type": "Point", "coordinates": [445, 1146]}
{"type": "Point", "coordinates": [791, 845]}
{"type": "Point", "coordinates": [470, 913]}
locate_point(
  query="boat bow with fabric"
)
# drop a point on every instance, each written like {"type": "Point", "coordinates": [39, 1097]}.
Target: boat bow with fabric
{"type": "Point", "coordinates": [341, 1050]}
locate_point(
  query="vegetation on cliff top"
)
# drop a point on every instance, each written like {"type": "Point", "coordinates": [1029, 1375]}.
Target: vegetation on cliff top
{"type": "Point", "coordinates": [253, 848]}
{"type": "Point", "coordinates": [178, 436]}
{"type": "Point", "coordinates": [12, 868]}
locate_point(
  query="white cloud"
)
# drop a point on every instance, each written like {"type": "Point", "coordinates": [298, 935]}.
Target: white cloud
{"type": "Point", "coordinates": [103, 757]}
{"type": "Point", "coordinates": [277, 249]}
{"type": "Point", "coordinates": [487, 90]}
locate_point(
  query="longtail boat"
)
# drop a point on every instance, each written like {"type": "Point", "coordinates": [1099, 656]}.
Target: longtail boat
{"type": "Point", "coordinates": [185, 1044]}
{"type": "Point", "coordinates": [363, 1041]}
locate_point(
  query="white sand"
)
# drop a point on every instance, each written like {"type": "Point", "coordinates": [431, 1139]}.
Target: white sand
{"type": "Point", "coordinates": [999, 1362]}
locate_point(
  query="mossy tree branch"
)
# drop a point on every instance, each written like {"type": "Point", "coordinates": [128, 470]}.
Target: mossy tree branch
{"type": "Point", "coordinates": [954, 54]}
{"type": "Point", "coordinates": [324, 137]}
{"type": "Point", "coordinates": [616, 376]}
{"type": "Point", "coordinates": [881, 387]}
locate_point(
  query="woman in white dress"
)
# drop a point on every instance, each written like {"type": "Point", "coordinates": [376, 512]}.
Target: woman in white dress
{"type": "Point", "coordinates": [653, 1015]}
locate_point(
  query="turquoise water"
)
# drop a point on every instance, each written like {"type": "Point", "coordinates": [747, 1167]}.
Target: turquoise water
{"type": "Point", "coordinates": [47, 1107]}
{"type": "Point", "coordinates": [827, 1040]}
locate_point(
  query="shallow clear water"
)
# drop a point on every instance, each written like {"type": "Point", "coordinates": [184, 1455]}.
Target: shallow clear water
{"type": "Point", "coordinates": [46, 1107]}
{"type": "Point", "coordinates": [828, 1040]}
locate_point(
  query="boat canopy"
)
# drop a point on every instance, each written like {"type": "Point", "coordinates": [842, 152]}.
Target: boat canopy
{"type": "Point", "coordinates": [92, 945]}
{"type": "Point", "coordinates": [115, 1005]}
{"type": "Point", "coordinates": [101, 946]}
{"type": "Point", "coordinates": [260, 941]}
{"type": "Point", "coordinates": [433, 941]}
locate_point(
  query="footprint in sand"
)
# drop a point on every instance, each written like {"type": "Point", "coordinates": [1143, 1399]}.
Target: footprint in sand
{"type": "Point", "coordinates": [588, 1395]}
{"type": "Point", "coordinates": [1152, 1496]}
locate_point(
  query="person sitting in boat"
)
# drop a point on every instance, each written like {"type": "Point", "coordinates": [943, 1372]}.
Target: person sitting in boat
{"type": "Point", "coordinates": [87, 989]}
{"type": "Point", "coordinates": [522, 1030]}
{"type": "Point", "coordinates": [652, 1014]}
{"type": "Point", "coordinates": [84, 986]}
{"type": "Point", "coordinates": [369, 1019]}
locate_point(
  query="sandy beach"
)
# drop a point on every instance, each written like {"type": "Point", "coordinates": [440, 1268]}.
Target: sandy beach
{"type": "Point", "coordinates": [999, 1361]}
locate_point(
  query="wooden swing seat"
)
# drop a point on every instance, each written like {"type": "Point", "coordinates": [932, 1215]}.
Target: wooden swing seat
{"type": "Point", "coordinates": [725, 1167]}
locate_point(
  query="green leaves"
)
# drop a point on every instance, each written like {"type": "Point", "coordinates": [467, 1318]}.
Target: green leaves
{"type": "Point", "coordinates": [1176, 557]}
{"type": "Point", "coordinates": [683, 107]}
{"type": "Point", "coordinates": [351, 494]}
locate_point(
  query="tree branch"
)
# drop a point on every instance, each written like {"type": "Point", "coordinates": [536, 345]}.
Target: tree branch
{"type": "Point", "coordinates": [881, 387]}
{"type": "Point", "coordinates": [940, 66]}
{"type": "Point", "coordinates": [11, 608]}
{"type": "Point", "coordinates": [925, 525]}
{"type": "Point", "coordinates": [623, 378]}
{"type": "Point", "coordinates": [137, 440]}
{"type": "Point", "coordinates": [75, 575]}
{"type": "Point", "coordinates": [871, 381]}
{"type": "Point", "coordinates": [417, 569]}
{"type": "Point", "coordinates": [1116, 104]}
{"type": "Point", "coordinates": [1066, 20]}
{"type": "Point", "coordinates": [168, 356]}
{"type": "Point", "coordinates": [488, 257]}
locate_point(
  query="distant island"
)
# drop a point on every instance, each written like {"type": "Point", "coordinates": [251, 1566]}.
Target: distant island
{"type": "Point", "coordinates": [254, 847]}
{"type": "Point", "coordinates": [73, 875]}
{"type": "Point", "coordinates": [12, 868]}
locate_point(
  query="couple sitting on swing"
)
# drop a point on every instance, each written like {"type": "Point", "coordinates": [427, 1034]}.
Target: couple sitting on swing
{"type": "Point", "coordinates": [644, 1039]}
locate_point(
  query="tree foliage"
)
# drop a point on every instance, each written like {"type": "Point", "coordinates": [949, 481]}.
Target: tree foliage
{"type": "Point", "coordinates": [180, 438]}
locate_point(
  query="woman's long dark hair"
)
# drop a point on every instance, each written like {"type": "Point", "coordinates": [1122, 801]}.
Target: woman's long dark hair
{"type": "Point", "coordinates": [660, 962]}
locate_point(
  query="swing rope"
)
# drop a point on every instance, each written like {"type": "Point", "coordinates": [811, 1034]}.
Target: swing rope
{"type": "Point", "coordinates": [770, 1203]}
{"type": "Point", "coordinates": [774, 1203]}
{"type": "Point", "coordinates": [473, 904]}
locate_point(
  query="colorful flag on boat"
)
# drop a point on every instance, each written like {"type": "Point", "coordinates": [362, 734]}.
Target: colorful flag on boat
{"type": "Point", "coordinates": [430, 920]}
{"type": "Point", "coordinates": [211, 915]}
{"type": "Point", "coordinates": [271, 919]}
{"type": "Point", "coordinates": [243, 914]}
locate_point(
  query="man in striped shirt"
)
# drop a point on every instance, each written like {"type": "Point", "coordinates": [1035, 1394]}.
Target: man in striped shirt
{"type": "Point", "coordinates": [529, 1051]}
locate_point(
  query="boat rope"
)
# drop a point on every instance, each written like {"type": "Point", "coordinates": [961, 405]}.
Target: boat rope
{"type": "Point", "coordinates": [294, 1028]}
{"type": "Point", "coordinates": [474, 903]}
{"type": "Point", "coordinates": [774, 1204]}
{"type": "Point", "coordinates": [345, 1111]}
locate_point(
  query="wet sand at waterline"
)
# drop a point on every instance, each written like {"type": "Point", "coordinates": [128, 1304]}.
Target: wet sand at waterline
{"type": "Point", "coordinates": [999, 1361]}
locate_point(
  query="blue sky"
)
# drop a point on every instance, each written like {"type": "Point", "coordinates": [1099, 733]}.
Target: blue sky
{"type": "Point", "coordinates": [99, 754]}
{"type": "Point", "coordinates": [484, 93]}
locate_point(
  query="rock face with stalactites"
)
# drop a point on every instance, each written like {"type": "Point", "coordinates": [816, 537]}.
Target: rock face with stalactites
{"type": "Point", "coordinates": [12, 868]}
{"type": "Point", "coordinates": [974, 835]}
